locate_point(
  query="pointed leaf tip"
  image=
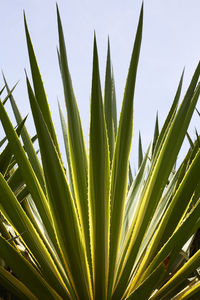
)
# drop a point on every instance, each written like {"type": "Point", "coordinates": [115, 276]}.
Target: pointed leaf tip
{"type": "Point", "coordinates": [108, 43]}
{"type": "Point", "coordinates": [141, 12]}
{"type": "Point", "coordinates": [95, 38]}
{"type": "Point", "coordinates": [25, 22]}
{"type": "Point", "coordinates": [95, 46]}
{"type": "Point", "coordinates": [57, 9]}
{"type": "Point", "coordinates": [25, 73]}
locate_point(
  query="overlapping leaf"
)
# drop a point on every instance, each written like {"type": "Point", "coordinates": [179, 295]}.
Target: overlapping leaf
{"type": "Point", "coordinates": [90, 229]}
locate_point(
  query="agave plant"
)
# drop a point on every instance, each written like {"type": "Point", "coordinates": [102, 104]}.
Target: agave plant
{"type": "Point", "coordinates": [90, 229]}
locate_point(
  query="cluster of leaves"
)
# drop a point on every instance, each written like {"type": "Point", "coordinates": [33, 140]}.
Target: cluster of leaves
{"type": "Point", "coordinates": [90, 230]}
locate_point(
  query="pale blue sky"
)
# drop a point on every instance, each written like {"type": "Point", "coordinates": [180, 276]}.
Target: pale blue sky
{"type": "Point", "coordinates": [170, 42]}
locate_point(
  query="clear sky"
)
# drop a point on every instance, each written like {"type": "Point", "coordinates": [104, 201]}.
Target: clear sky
{"type": "Point", "coordinates": [170, 42]}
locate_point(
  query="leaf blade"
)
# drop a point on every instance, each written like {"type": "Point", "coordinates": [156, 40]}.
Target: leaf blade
{"type": "Point", "coordinates": [99, 169]}
{"type": "Point", "coordinates": [64, 216]}
{"type": "Point", "coordinates": [119, 177]}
